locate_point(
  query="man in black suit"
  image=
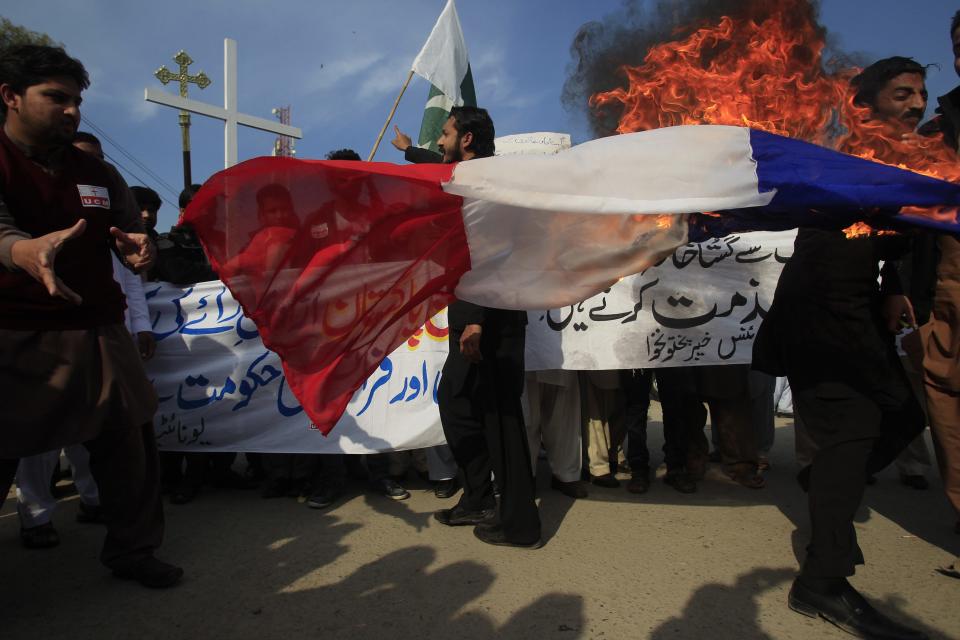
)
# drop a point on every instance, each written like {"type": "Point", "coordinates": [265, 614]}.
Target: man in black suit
{"type": "Point", "coordinates": [480, 390]}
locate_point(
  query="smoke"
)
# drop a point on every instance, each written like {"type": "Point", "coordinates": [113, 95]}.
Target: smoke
{"type": "Point", "coordinates": [601, 49]}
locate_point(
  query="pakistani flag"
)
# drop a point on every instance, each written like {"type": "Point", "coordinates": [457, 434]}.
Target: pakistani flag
{"type": "Point", "coordinates": [443, 62]}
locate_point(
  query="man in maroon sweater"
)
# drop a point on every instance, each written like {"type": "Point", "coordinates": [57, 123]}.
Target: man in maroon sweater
{"type": "Point", "coordinates": [69, 371]}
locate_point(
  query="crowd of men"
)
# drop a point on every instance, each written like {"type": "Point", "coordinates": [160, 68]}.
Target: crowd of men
{"type": "Point", "coordinates": [76, 245]}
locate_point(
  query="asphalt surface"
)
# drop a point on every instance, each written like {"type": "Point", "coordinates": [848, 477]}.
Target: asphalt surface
{"type": "Point", "coordinates": [715, 564]}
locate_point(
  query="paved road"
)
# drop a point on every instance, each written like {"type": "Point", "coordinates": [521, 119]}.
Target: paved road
{"type": "Point", "coordinates": [716, 564]}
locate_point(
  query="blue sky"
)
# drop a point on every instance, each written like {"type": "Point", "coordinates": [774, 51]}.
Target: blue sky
{"type": "Point", "coordinates": [340, 65]}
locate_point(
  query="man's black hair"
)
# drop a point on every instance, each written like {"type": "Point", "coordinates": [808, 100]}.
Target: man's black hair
{"type": "Point", "coordinates": [86, 136]}
{"type": "Point", "coordinates": [146, 197]}
{"type": "Point", "coordinates": [25, 65]}
{"type": "Point", "coordinates": [871, 80]}
{"type": "Point", "coordinates": [954, 24]}
{"type": "Point", "coordinates": [478, 122]}
{"type": "Point", "coordinates": [343, 154]}
{"type": "Point", "coordinates": [187, 195]}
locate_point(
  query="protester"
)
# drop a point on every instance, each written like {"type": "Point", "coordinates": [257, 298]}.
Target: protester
{"type": "Point", "coordinates": [65, 301]}
{"type": "Point", "coordinates": [480, 390]}
{"type": "Point", "coordinates": [940, 337]}
{"type": "Point", "coordinates": [829, 331]}
{"type": "Point", "coordinates": [35, 500]}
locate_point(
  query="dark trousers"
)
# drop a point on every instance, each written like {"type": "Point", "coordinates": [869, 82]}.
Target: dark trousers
{"type": "Point", "coordinates": [483, 424]}
{"type": "Point", "coordinates": [636, 387]}
{"type": "Point", "coordinates": [685, 445]}
{"type": "Point", "coordinates": [126, 467]}
{"type": "Point", "coordinates": [857, 433]}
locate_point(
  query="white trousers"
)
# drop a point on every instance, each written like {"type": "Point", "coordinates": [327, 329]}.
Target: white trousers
{"type": "Point", "coordinates": [551, 411]}
{"type": "Point", "coordinates": [35, 503]}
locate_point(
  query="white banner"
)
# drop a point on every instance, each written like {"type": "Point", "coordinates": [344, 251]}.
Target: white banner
{"type": "Point", "coordinates": [220, 389]}
{"type": "Point", "coordinates": [703, 305]}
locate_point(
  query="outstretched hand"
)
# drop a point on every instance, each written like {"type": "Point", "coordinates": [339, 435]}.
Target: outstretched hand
{"type": "Point", "coordinates": [36, 256]}
{"type": "Point", "coordinates": [136, 249]}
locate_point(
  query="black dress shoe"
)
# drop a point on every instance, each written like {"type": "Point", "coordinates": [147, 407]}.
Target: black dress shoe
{"type": "Point", "coordinates": [848, 610]}
{"type": "Point", "coordinates": [606, 480]}
{"type": "Point", "coordinates": [42, 536]}
{"type": "Point", "coordinates": [495, 536]}
{"type": "Point", "coordinates": [150, 572]}
{"type": "Point", "coordinates": [573, 489]}
{"type": "Point", "coordinates": [458, 517]}
{"type": "Point", "coordinates": [681, 482]}
{"type": "Point", "coordinates": [639, 483]}
{"type": "Point", "coordinates": [446, 488]}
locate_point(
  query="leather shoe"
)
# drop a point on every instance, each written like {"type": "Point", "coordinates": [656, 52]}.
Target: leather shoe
{"type": "Point", "coordinates": [496, 536]}
{"type": "Point", "coordinates": [458, 516]}
{"type": "Point", "coordinates": [446, 488]}
{"type": "Point", "coordinates": [639, 483]}
{"type": "Point", "coordinates": [606, 480]}
{"type": "Point", "coordinates": [42, 536]}
{"type": "Point", "coordinates": [325, 497]}
{"type": "Point", "coordinates": [681, 482]}
{"type": "Point", "coordinates": [573, 489]}
{"type": "Point", "coordinates": [850, 611]}
{"type": "Point", "coordinates": [151, 572]}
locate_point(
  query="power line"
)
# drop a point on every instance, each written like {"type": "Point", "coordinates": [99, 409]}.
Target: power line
{"type": "Point", "coordinates": [137, 162]}
{"type": "Point", "coordinates": [118, 164]}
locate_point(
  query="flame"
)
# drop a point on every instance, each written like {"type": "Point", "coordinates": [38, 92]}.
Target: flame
{"type": "Point", "coordinates": [765, 70]}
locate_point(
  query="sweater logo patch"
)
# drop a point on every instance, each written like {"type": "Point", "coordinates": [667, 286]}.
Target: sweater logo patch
{"type": "Point", "coordinates": [92, 196]}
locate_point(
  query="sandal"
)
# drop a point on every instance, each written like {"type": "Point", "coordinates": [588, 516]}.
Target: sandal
{"type": "Point", "coordinates": [43, 536]}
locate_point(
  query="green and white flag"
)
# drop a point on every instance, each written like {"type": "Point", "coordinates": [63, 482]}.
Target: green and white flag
{"type": "Point", "coordinates": [444, 64]}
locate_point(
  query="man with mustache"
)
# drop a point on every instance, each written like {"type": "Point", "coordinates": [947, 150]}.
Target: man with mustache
{"type": "Point", "coordinates": [830, 330]}
{"type": "Point", "coordinates": [479, 394]}
{"type": "Point", "coordinates": [68, 368]}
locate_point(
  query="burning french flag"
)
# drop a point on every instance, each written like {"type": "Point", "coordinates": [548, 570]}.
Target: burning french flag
{"type": "Point", "coordinates": [339, 262]}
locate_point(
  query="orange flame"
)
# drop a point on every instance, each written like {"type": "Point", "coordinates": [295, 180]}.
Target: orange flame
{"type": "Point", "coordinates": [766, 71]}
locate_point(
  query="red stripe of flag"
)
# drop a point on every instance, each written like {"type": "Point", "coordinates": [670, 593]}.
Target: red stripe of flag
{"type": "Point", "coordinates": [337, 262]}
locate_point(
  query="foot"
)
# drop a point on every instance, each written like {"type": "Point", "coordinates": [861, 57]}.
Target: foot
{"type": "Point", "coordinates": [606, 480]}
{"type": "Point", "coordinates": [183, 494]}
{"type": "Point", "coordinates": [446, 488]}
{"type": "Point", "coordinates": [917, 481]}
{"type": "Point", "coordinates": [639, 483]}
{"type": "Point", "coordinates": [495, 536]}
{"type": "Point", "coordinates": [573, 489]}
{"type": "Point", "coordinates": [324, 498]}
{"type": "Point", "coordinates": [763, 463]}
{"type": "Point", "coordinates": [151, 572]}
{"type": "Point", "coordinates": [458, 516]}
{"type": "Point", "coordinates": [749, 479]}
{"type": "Point", "coordinates": [42, 536]}
{"type": "Point", "coordinates": [391, 489]}
{"type": "Point", "coordinates": [848, 610]}
{"type": "Point", "coordinates": [681, 482]}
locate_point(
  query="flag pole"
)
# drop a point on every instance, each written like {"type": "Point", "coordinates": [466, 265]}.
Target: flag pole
{"type": "Point", "coordinates": [386, 124]}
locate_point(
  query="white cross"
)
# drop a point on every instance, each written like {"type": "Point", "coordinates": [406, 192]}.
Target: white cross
{"type": "Point", "coordinates": [228, 113]}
